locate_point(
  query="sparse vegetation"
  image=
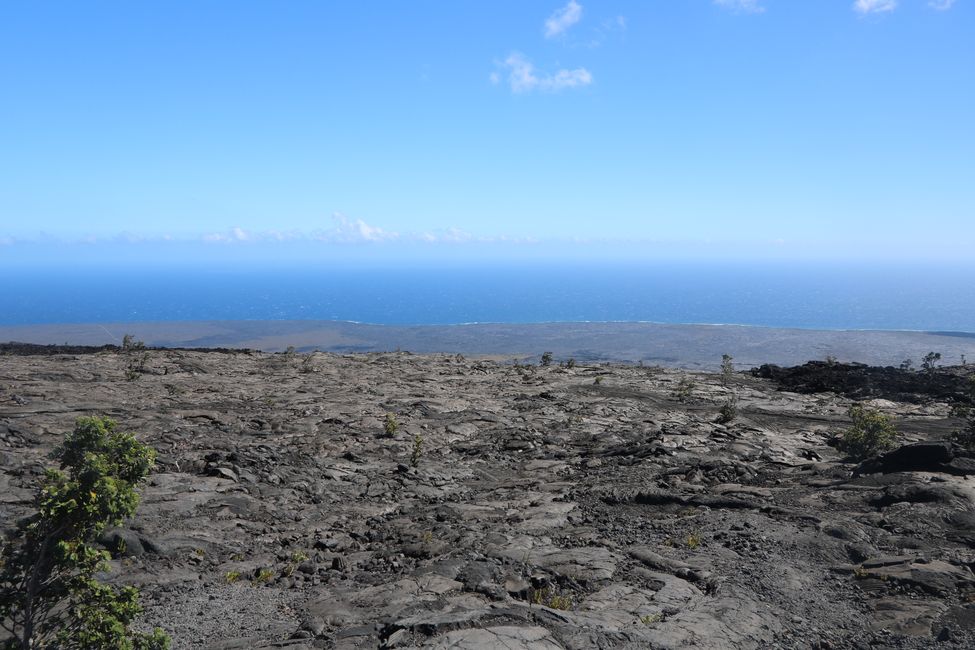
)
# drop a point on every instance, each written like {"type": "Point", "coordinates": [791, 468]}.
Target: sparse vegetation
{"type": "Point", "coordinates": [549, 597]}
{"type": "Point", "coordinates": [652, 619]}
{"type": "Point", "coordinates": [728, 411]}
{"type": "Point", "coordinates": [871, 433]}
{"type": "Point", "coordinates": [50, 596]}
{"type": "Point", "coordinates": [546, 359]}
{"type": "Point", "coordinates": [130, 344]}
{"type": "Point", "coordinates": [135, 356]}
{"type": "Point", "coordinates": [598, 380]}
{"type": "Point", "coordinates": [930, 361]}
{"type": "Point", "coordinates": [390, 425]}
{"type": "Point", "coordinates": [263, 575]}
{"type": "Point", "coordinates": [417, 450]}
{"type": "Point", "coordinates": [684, 390]}
{"type": "Point", "coordinates": [231, 576]}
{"type": "Point", "coordinates": [727, 368]}
{"type": "Point", "coordinates": [907, 365]}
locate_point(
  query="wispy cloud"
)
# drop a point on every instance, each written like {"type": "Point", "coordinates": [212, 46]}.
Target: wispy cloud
{"type": "Point", "coordinates": [564, 18]}
{"type": "Point", "coordinates": [233, 235]}
{"type": "Point", "coordinates": [523, 77]}
{"type": "Point", "coordinates": [941, 5]}
{"type": "Point", "coordinates": [864, 7]}
{"type": "Point", "coordinates": [742, 6]}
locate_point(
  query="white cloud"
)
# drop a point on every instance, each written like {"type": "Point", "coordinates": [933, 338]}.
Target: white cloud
{"type": "Point", "coordinates": [941, 5]}
{"type": "Point", "coordinates": [874, 6]}
{"type": "Point", "coordinates": [234, 235]}
{"type": "Point", "coordinates": [563, 19]}
{"type": "Point", "coordinates": [743, 6]}
{"type": "Point", "coordinates": [522, 76]}
{"type": "Point", "coordinates": [353, 231]}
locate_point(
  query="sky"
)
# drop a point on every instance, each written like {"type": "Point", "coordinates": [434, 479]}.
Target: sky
{"type": "Point", "coordinates": [355, 130]}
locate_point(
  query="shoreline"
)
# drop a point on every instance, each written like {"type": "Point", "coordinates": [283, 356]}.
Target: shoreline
{"type": "Point", "coordinates": [687, 345]}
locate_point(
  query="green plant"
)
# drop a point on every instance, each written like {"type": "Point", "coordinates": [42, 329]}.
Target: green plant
{"type": "Point", "coordinates": [598, 380]}
{"type": "Point", "coordinates": [231, 576]}
{"type": "Point", "coordinates": [135, 357]}
{"type": "Point", "coordinates": [417, 450]}
{"type": "Point", "coordinates": [930, 361]}
{"type": "Point", "coordinates": [390, 425]}
{"type": "Point", "coordinates": [728, 410]}
{"type": "Point", "coordinates": [130, 344]}
{"type": "Point", "coordinates": [299, 556]}
{"type": "Point", "coordinates": [906, 365]}
{"type": "Point", "coordinates": [571, 363]}
{"type": "Point", "coordinates": [652, 619]}
{"type": "Point", "coordinates": [684, 390]}
{"type": "Point", "coordinates": [871, 433]}
{"type": "Point", "coordinates": [546, 358]}
{"type": "Point", "coordinates": [263, 575]}
{"type": "Point", "coordinates": [727, 368]}
{"type": "Point", "coordinates": [49, 594]}
{"type": "Point", "coordinates": [551, 598]}
{"type": "Point", "coordinates": [693, 540]}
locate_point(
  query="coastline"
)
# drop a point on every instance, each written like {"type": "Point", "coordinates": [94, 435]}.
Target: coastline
{"type": "Point", "coordinates": [690, 345]}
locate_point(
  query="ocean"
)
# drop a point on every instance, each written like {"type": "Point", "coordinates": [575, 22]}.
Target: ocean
{"type": "Point", "coordinates": [891, 297]}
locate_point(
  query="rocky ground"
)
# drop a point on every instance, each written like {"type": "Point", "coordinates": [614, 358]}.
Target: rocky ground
{"type": "Point", "coordinates": [597, 506]}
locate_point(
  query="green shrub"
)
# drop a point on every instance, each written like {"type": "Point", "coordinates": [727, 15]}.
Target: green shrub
{"type": "Point", "coordinates": [930, 361]}
{"type": "Point", "coordinates": [417, 450]}
{"type": "Point", "coordinates": [546, 358]}
{"type": "Point", "coordinates": [49, 596]}
{"type": "Point", "coordinates": [390, 425]}
{"type": "Point", "coordinates": [684, 390]}
{"type": "Point", "coordinates": [871, 433]}
{"type": "Point", "coordinates": [727, 368]}
{"type": "Point", "coordinates": [728, 410]}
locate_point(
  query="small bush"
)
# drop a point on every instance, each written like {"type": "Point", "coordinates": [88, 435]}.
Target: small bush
{"type": "Point", "coordinates": [417, 450]}
{"type": "Point", "coordinates": [728, 411]}
{"type": "Point", "coordinates": [263, 575]}
{"type": "Point", "coordinates": [390, 426]}
{"type": "Point", "coordinates": [727, 368]}
{"type": "Point", "coordinates": [930, 361]}
{"type": "Point", "coordinates": [872, 432]}
{"type": "Point", "coordinates": [684, 390]}
{"type": "Point", "coordinates": [546, 359]}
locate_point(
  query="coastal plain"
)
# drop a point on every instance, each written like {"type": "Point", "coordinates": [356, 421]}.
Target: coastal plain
{"type": "Point", "coordinates": [671, 345]}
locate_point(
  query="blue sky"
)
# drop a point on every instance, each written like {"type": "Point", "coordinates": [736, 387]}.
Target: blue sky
{"type": "Point", "coordinates": [689, 128]}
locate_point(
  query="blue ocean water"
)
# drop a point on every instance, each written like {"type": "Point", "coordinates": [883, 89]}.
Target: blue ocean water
{"type": "Point", "coordinates": [769, 294]}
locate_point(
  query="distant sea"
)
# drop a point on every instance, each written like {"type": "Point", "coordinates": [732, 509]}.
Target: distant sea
{"type": "Point", "coordinates": [770, 294]}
